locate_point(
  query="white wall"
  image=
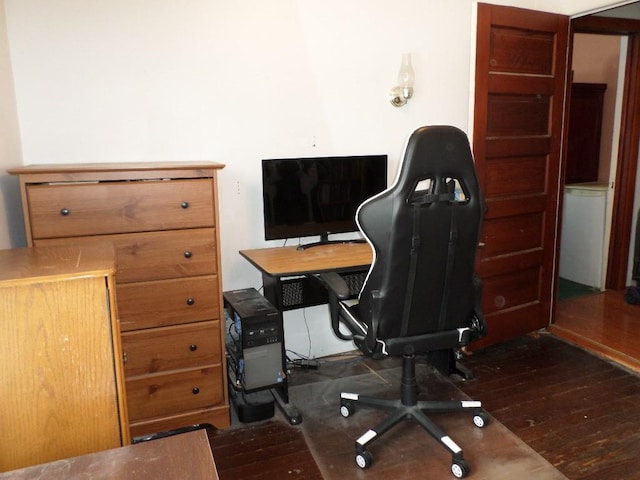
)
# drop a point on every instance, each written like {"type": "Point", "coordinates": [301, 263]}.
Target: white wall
{"type": "Point", "coordinates": [236, 82]}
{"type": "Point", "coordinates": [11, 221]}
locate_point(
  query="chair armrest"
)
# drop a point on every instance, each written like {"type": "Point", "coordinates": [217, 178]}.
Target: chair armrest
{"type": "Point", "coordinates": [337, 290]}
{"type": "Point", "coordinates": [335, 284]}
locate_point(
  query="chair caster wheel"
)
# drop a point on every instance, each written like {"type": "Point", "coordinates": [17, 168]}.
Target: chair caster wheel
{"type": "Point", "coordinates": [460, 468]}
{"type": "Point", "coordinates": [364, 460]}
{"type": "Point", "coordinates": [347, 409]}
{"type": "Point", "coordinates": [481, 419]}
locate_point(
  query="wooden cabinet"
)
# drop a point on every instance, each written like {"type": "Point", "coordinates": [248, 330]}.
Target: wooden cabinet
{"type": "Point", "coordinates": [585, 131]}
{"type": "Point", "coordinates": [61, 378]}
{"type": "Point", "coordinates": [162, 221]}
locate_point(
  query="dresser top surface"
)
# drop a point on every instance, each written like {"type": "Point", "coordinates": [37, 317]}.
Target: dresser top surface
{"type": "Point", "coordinates": [52, 263]}
{"type": "Point", "coordinates": [112, 171]}
{"type": "Point", "coordinates": [92, 172]}
{"type": "Point", "coordinates": [111, 167]}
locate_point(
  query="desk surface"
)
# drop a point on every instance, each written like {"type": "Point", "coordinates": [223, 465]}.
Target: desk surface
{"type": "Point", "coordinates": [284, 261]}
{"type": "Point", "coordinates": [187, 455]}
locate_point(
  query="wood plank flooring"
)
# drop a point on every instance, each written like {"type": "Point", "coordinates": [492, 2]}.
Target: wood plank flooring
{"type": "Point", "coordinates": [602, 323]}
{"type": "Point", "coordinates": [262, 451]}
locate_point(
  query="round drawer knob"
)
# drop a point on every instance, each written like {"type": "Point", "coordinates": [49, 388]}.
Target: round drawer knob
{"type": "Point", "coordinates": [193, 347]}
{"type": "Point", "coordinates": [64, 212]}
{"type": "Point", "coordinates": [187, 254]}
{"type": "Point", "coordinates": [195, 390]}
{"type": "Point", "coordinates": [184, 204]}
{"type": "Point", "coordinates": [190, 301]}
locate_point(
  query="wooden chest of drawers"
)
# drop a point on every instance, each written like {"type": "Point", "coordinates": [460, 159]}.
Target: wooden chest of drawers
{"type": "Point", "coordinates": [162, 220]}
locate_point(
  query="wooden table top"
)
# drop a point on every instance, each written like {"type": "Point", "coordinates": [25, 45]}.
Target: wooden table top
{"type": "Point", "coordinates": [24, 264]}
{"type": "Point", "coordinates": [186, 455]}
{"type": "Point", "coordinates": [284, 261]}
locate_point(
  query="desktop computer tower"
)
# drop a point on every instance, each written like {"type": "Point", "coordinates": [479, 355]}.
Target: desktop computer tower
{"type": "Point", "coordinates": [254, 341]}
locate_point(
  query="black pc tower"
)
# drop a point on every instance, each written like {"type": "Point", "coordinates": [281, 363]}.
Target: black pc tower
{"type": "Point", "coordinates": [255, 353]}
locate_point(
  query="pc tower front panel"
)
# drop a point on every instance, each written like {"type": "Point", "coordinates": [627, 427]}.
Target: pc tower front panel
{"type": "Point", "coordinates": [254, 341]}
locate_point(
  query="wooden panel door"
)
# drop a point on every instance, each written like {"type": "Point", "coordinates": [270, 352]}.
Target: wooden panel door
{"type": "Point", "coordinates": [517, 141]}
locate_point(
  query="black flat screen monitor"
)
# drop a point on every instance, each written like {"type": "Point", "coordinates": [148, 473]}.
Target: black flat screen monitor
{"type": "Point", "coordinates": [318, 196]}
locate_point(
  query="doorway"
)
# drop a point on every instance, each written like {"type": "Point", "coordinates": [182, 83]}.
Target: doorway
{"type": "Point", "coordinates": [603, 323]}
{"type": "Point", "coordinates": [621, 21]}
{"type": "Point", "coordinates": [597, 84]}
{"type": "Point", "coordinates": [621, 26]}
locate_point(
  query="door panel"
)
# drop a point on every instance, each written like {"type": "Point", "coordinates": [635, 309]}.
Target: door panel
{"type": "Point", "coordinates": [531, 181]}
{"type": "Point", "coordinates": [516, 49]}
{"type": "Point", "coordinates": [519, 115]}
{"type": "Point", "coordinates": [512, 234]}
{"type": "Point", "coordinates": [517, 142]}
{"type": "Point", "coordinates": [520, 287]}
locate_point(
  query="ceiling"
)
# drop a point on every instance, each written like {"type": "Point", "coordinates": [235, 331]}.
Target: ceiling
{"type": "Point", "coordinates": [631, 10]}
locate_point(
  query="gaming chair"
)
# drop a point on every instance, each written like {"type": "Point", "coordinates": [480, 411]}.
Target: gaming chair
{"type": "Point", "coordinates": [421, 293]}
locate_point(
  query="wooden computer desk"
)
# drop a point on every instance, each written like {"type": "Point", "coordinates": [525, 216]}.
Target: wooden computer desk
{"type": "Point", "coordinates": [285, 270]}
{"type": "Point", "coordinates": [286, 273]}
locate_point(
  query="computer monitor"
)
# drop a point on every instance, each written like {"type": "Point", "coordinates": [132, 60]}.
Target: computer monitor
{"type": "Point", "coordinates": [318, 195]}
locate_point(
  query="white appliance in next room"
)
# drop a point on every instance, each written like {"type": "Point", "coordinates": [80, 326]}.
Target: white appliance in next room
{"type": "Point", "coordinates": [582, 255]}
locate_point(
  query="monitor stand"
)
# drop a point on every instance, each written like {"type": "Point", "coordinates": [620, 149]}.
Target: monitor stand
{"type": "Point", "coordinates": [324, 240]}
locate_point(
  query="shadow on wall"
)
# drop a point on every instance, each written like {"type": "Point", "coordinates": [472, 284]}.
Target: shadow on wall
{"type": "Point", "coordinates": [10, 189]}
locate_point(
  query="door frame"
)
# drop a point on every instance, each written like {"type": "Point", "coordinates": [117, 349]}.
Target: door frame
{"type": "Point", "coordinates": [627, 164]}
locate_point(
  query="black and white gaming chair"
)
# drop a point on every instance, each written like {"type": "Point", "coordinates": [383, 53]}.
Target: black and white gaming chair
{"type": "Point", "coordinates": [421, 294]}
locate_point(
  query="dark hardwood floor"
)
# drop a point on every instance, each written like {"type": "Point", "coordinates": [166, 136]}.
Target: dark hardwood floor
{"type": "Point", "coordinates": [267, 450]}
{"type": "Point", "coordinates": [575, 409]}
{"type": "Point", "coordinates": [578, 410]}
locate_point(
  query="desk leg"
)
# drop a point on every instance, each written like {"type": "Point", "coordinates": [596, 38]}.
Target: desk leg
{"type": "Point", "coordinates": [273, 292]}
{"type": "Point", "coordinates": [281, 396]}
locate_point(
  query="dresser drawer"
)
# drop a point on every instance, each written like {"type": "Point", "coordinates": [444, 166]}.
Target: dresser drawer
{"type": "Point", "coordinates": [79, 209]}
{"type": "Point", "coordinates": [167, 302]}
{"type": "Point", "coordinates": [218, 416]}
{"type": "Point", "coordinates": [154, 395]}
{"type": "Point", "coordinates": [171, 348]}
{"type": "Point", "coordinates": [156, 255]}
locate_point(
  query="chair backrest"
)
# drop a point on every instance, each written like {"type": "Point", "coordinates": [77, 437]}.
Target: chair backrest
{"type": "Point", "coordinates": [424, 230]}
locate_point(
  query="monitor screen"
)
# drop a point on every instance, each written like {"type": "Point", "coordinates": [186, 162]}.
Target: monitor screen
{"type": "Point", "coordinates": [318, 196]}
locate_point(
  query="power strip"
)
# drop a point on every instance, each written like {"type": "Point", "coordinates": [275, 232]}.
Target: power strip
{"type": "Point", "coordinates": [306, 364]}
